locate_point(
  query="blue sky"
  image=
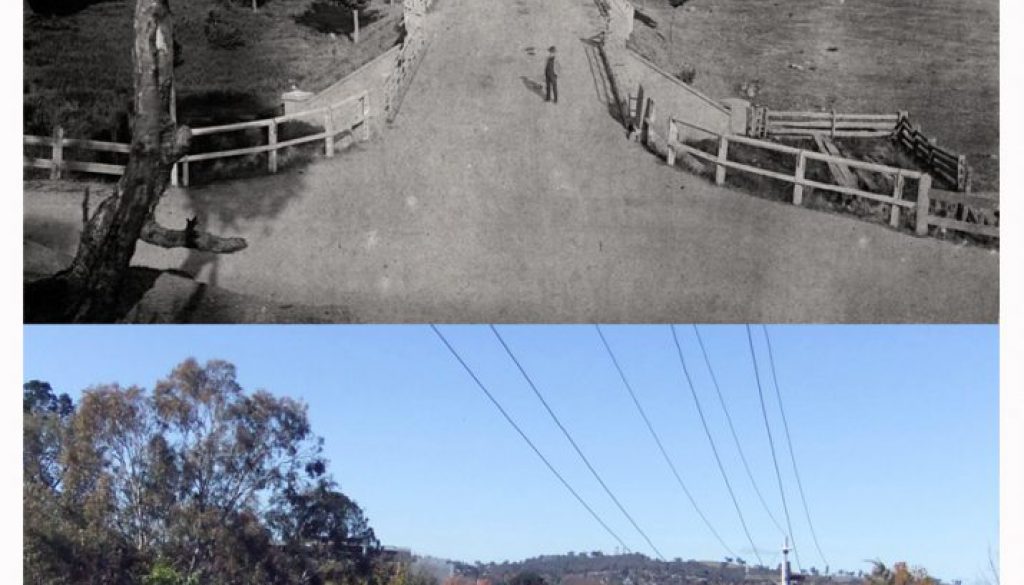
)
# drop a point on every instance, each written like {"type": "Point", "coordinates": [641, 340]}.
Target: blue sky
{"type": "Point", "coordinates": [895, 430]}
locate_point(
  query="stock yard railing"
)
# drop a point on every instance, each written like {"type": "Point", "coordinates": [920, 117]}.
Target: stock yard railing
{"type": "Point", "coordinates": [345, 116]}
{"type": "Point", "coordinates": [964, 212]}
{"type": "Point", "coordinates": [833, 124]}
{"type": "Point", "coordinates": [799, 181]}
{"type": "Point", "coordinates": [950, 166]}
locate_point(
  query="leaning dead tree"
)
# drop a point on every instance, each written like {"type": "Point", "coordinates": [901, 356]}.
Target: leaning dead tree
{"type": "Point", "coordinates": [91, 285]}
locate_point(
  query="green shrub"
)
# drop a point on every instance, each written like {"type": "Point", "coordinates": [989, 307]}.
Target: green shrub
{"type": "Point", "coordinates": [164, 574]}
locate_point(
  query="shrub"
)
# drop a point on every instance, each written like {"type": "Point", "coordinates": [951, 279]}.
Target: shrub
{"type": "Point", "coordinates": [221, 33]}
{"type": "Point", "coordinates": [687, 74]}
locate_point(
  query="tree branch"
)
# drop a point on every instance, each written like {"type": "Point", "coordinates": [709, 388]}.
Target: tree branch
{"type": "Point", "coordinates": [190, 237]}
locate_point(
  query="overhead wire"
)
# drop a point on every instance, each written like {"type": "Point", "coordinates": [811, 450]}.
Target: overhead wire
{"type": "Point", "coordinates": [789, 442]}
{"type": "Point", "coordinates": [522, 434]}
{"type": "Point", "coordinates": [732, 429]}
{"type": "Point", "coordinates": [714, 449]}
{"type": "Point", "coordinates": [661, 447]}
{"type": "Point", "coordinates": [771, 444]}
{"type": "Point", "coordinates": [575, 446]}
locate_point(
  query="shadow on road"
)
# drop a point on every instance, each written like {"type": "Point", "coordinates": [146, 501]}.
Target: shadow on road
{"type": "Point", "coordinates": [599, 74]}
{"type": "Point", "coordinates": [233, 205]}
{"type": "Point", "coordinates": [533, 86]}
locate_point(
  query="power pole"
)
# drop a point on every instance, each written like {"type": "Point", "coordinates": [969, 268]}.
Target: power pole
{"type": "Point", "coordinates": [784, 571]}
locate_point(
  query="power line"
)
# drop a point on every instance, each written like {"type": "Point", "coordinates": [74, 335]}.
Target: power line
{"type": "Point", "coordinates": [789, 442]}
{"type": "Point", "coordinates": [527, 439]}
{"type": "Point", "coordinates": [579, 452]}
{"type": "Point", "coordinates": [732, 429]}
{"type": "Point", "coordinates": [714, 449]}
{"type": "Point", "coordinates": [771, 443]}
{"type": "Point", "coordinates": [657, 440]}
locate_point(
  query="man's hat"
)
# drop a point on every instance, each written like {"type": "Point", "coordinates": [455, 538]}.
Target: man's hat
{"type": "Point", "coordinates": [551, 49]}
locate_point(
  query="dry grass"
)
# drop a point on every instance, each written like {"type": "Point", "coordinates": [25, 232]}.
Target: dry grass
{"type": "Point", "coordinates": [937, 59]}
{"type": "Point", "coordinates": [77, 67]}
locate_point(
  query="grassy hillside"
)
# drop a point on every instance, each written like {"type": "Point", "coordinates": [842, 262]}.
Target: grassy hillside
{"type": "Point", "coordinates": [939, 60]}
{"type": "Point", "coordinates": [633, 569]}
{"type": "Point", "coordinates": [234, 63]}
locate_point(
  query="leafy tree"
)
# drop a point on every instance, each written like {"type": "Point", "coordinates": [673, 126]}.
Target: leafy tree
{"type": "Point", "coordinates": [899, 574]}
{"type": "Point", "coordinates": [90, 288]}
{"type": "Point", "coordinates": [354, 4]}
{"type": "Point", "coordinates": [196, 481]}
{"type": "Point", "coordinates": [527, 578]}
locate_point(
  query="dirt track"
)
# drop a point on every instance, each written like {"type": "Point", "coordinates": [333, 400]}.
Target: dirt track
{"type": "Point", "coordinates": [483, 203]}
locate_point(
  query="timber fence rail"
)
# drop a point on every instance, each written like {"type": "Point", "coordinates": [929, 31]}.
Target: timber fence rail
{"type": "Point", "coordinates": [344, 116]}
{"type": "Point", "coordinates": [832, 124]}
{"type": "Point", "coordinates": [58, 162]}
{"type": "Point", "coordinates": [972, 214]}
{"type": "Point", "coordinates": [722, 163]}
{"type": "Point", "coordinates": [950, 166]}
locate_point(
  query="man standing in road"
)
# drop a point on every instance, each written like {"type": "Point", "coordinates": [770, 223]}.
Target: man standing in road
{"type": "Point", "coordinates": [551, 71]}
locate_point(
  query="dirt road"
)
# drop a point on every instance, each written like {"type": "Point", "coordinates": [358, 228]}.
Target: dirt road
{"type": "Point", "coordinates": [484, 203]}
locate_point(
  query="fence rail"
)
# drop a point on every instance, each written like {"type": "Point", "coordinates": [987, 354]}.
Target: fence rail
{"type": "Point", "coordinates": [950, 166]}
{"type": "Point", "coordinates": [797, 178]}
{"type": "Point", "coordinates": [344, 116]}
{"type": "Point", "coordinates": [965, 207]}
{"type": "Point", "coordinates": [833, 124]}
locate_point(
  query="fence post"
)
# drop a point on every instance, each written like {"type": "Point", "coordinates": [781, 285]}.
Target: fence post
{"type": "Point", "coordinates": [174, 120]}
{"type": "Point", "coordinates": [673, 133]}
{"type": "Point", "coordinates": [833, 123]}
{"type": "Point", "coordinates": [366, 116]}
{"type": "Point", "coordinates": [638, 118]}
{"type": "Point", "coordinates": [329, 131]}
{"type": "Point", "coordinates": [798, 187]}
{"type": "Point", "coordinates": [184, 173]}
{"type": "Point", "coordinates": [355, 19]}
{"type": "Point", "coordinates": [961, 173]}
{"type": "Point", "coordinates": [723, 155]}
{"type": "Point", "coordinates": [897, 194]}
{"type": "Point", "coordinates": [57, 152]}
{"type": "Point", "coordinates": [902, 118]}
{"type": "Point", "coordinates": [272, 141]}
{"type": "Point", "coordinates": [647, 122]}
{"type": "Point", "coordinates": [923, 187]}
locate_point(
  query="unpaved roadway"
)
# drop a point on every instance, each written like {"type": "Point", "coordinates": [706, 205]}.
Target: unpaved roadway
{"type": "Point", "coordinates": [484, 203]}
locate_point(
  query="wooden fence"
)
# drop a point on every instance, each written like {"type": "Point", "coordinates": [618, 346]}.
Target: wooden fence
{"type": "Point", "coordinates": [799, 181]}
{"type": "Point", "coordinates": [973, 213]}
{"type": "Point", "coordinates": [927, 200]}
{"type": "Point", "coordinates": [833, 124]}
{"type": "Point", "coordinates": [951, 167]}
{"type": "Point", "coordinates": [345, 116]}
{"type": "Point", "coordinates": [57, 163]}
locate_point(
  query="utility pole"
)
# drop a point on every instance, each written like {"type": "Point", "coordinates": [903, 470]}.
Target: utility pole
{"type": "Point", "coordinates": [784, 571]}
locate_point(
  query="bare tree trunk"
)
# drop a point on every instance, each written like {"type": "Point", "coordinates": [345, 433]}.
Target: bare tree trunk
{"type": "Point", "coordinates": [97, 275]}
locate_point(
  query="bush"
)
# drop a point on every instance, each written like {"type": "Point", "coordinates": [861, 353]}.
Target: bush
{"type": "Point", "coordinates": [164, 574]}
{"type": "Point", "coordinates": [221, 33]}
{"type": "Point", "coordinates": [687, 74]}
{"type": "Point", "coordinates": [58, 7]}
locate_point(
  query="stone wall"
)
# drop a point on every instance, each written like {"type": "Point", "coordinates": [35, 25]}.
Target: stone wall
{"type": "Point", "coordinates": [386, 78]}
{"type": "Point", "coordinates": [672, 97]}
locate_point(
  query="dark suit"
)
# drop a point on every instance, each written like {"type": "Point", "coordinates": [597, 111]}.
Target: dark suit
{"type": "Point", "coordinates": [551, 79]}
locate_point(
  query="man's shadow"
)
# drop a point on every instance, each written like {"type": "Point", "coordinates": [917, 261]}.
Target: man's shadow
{"type": "Point", "coordinates": [533, 86]}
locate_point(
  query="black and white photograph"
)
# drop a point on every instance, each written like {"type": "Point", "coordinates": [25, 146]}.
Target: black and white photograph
{"type": "Point", "coordinates": [350, 161]}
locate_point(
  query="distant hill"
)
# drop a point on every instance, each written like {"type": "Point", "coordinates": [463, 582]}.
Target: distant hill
{"type": "Point", "coordinates": [630, 569]}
